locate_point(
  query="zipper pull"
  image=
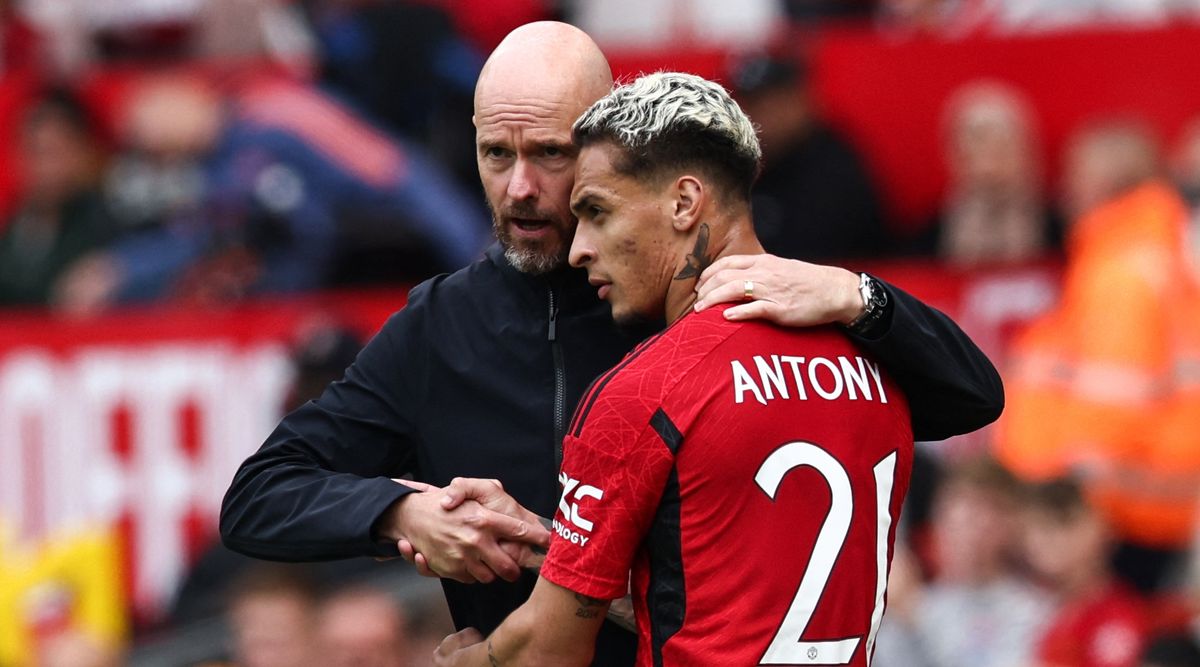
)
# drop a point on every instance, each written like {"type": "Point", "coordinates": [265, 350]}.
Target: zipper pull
{"type": "Point", "coordinates": [551, 332]}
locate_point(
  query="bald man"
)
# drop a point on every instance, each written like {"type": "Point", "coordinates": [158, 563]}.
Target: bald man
{"type": "Point", "coordinates": [477, 376]}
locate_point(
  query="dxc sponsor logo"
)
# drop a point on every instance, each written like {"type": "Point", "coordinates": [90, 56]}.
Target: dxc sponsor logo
{"type": "Point", "coordinates": [577, 491]}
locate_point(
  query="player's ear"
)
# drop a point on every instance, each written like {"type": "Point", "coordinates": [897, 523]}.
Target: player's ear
{"type": "Point", "coordinates": [688, 199]}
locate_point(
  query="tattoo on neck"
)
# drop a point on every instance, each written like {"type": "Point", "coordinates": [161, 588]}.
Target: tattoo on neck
{"type": "Point", "coordinates": [495, 662]}
{"type": "Point", "coordinates": [698, 259]}
{"type": "Point", "coordinates": [587, 606]}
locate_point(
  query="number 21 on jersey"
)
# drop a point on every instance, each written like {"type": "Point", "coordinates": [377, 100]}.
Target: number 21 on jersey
{"type": "Point", "coordinates": [790, 647]}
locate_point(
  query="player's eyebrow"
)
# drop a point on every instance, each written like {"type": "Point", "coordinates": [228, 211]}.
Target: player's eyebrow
{"type": "Point", "coordinates": [583, 200]}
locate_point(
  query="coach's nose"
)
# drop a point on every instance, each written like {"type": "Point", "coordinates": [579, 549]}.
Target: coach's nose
{"type": "Point", "coordinates": [523, 184]}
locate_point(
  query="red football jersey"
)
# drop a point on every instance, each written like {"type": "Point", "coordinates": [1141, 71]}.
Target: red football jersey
{"type": "Point", "coordinates": [1106, 629]}
{"type": "Point", "coordinates": [745, 480]}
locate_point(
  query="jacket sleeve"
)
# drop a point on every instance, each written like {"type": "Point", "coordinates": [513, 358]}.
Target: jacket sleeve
{"type": "Point", "coordinates": [319, 482]}
{"type": "Point", "coordinates": [952, 387]}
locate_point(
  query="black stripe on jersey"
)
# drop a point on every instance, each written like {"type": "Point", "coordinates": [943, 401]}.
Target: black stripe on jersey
{"type": "Point", "coordinates": [589, 396]}
{"type": "Point", "coordinates": [665, 428]}
{"type": "Point", "coordinates": [666, 595]}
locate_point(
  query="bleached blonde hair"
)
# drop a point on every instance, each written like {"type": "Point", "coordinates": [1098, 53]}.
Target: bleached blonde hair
{"type": "Point", "coordinates": [673, 119]}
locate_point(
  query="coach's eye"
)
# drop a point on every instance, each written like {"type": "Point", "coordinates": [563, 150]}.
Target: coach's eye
{"type": "Point", "coordinates": [495, 152]}
{"type": "Point", "coordinates": [553, 151]}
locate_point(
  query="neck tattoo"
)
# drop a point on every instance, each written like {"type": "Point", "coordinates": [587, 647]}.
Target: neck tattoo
{"type": "Point", "coordinates": [698, 259]}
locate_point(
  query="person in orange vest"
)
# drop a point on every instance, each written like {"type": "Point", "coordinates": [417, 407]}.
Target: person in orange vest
{"type": "Point", "coordinates": [1106, 386]}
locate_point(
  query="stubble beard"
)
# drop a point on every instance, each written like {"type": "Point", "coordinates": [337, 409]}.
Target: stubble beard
{"type": "Point", "coordinates": [532, 257]}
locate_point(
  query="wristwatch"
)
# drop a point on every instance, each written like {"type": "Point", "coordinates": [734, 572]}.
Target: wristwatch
{"type": "Point", "coordinates": [875, 302]}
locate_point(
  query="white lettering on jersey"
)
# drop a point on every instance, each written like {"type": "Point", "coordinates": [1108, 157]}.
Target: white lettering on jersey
{"type": "Point", "coordinates": [570, 510]}
{"type": "Point", "coordinates": [814, 378]}
{"type": "Point", "coordinates": [830, 379]}
{"type": "Point", "coordinates": [569, 535]}
{"type": "Point", "coordinates": [742, 382]}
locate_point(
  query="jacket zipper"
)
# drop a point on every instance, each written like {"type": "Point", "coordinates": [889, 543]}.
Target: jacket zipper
{"type": "Point", "coordinates": [560, 384]}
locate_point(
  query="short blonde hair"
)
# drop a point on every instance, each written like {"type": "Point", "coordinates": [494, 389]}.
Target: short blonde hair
{"type": "Point", "coordinates": [675, 120]}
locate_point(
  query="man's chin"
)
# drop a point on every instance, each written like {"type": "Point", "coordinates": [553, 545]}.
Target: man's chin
{"type": "Point", "coordinates": [638, 323]}
{"type": "Point", "coordinates": [534, 259]}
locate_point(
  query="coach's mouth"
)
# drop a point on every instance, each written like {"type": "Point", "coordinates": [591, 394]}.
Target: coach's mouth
{"type": "Point", "coordinates": [530, 228]}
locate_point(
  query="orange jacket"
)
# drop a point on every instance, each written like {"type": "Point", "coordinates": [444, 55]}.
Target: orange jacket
{"type": "Point", "coordinates": [1107, 385]}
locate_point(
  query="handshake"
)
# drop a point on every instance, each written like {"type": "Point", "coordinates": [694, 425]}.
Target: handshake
{"type": "Point", "coordinates": [471, 531]}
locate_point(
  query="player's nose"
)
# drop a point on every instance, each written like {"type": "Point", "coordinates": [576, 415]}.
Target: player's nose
{"type": "Point", "coordinates": [583, 251]}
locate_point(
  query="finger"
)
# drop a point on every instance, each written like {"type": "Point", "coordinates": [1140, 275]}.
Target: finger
{"type": "Point", "coordinates": [407, 551]}
{"type": "Point", "coordinates": [473, 488]}
{"type": "Point", "coordinates": [732, 262]}
{"type": "Point", "coordinates": [422, 566]}
{"type": "Point", "coordinates": [464, 488]}
{"type": "Point", "coordinates": [504, 527]}
{"type": "Point", "coordinates": [733, 291]}
{"type": "Point", "coordinates": [485, 573]}
{"type": "Point", "coordinates": [452, 499]}
{"type": "Point", "coordinates": [458, 640]}
{"type": "Point", "coordinates": [754, 310]}
{"type": "Point", "coordinates": [498, 560]}
{"type": "Point", "coordinates": [468, 636]}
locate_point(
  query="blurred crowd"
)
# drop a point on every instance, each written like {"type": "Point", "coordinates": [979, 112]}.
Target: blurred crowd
{"type": "Point", "coordinates": [206, 151]}
{"type": "Point", "coordinates": [344, 156]}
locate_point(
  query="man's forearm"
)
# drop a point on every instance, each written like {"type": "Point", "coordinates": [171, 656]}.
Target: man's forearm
{"type": "Point", "coordinates": [555, 626]}
{"type": "Point", "coordinates": [951, 385]}
{"type": "Point", "coordinates": [516, 642]}
{"type": "Point", "coordinates": [281, 508]}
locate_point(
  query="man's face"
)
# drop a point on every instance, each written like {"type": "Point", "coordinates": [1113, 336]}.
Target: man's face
{"type": "Point", "coordinates": [527, 164]}
{"type": "Point", "coordinates": [624, 236]}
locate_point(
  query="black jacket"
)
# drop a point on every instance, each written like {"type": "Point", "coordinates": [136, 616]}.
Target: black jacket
{"type": "Point", "coordinates": [477, 377]}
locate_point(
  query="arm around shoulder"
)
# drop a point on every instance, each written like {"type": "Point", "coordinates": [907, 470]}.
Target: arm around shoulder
{"type": "Point", "coordinates": [951, 385]}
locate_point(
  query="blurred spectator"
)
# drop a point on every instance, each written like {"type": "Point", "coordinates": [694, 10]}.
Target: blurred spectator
{"type": "Point", "coordinates": [80, 33]}
{"type": "Point", "coordinates": [19, 42]}
{"type": "Point", "coordinates": [61, 216]}
{"type": "Point", "coordinates": [1044, 15]}
{"type": "Point", "coordinates": [956, 18]}
{"type": "Point", "coordinates": [431, 623]}
{"type": "Point", "coordinates": [994, 209]}
{"type": "Point", "coordinates": [408, 67]}
{"type": "Point", "coordinates": [1171, 651]}
{"type": "Point", "coordinates": [78, 649]}
{"type": "Point", "coordinates": [631, 24]}
{"type": "Point", "coordinates": [254, 29]}
{"type": "Point", "coordinates": [322, 352]}
{"type": "Point", "coordinates": [1187, 177]}
{"type": "Point", "coordinates": [814, 200]}
{"type": "Point", "coordinates": [803, 11]}
{"type": "Point", "coordinates": [256, 196]}
{"type": "Point", "coordinates": [272, 616]}
{"type": "Point", "coordinates": [975, 610]}
{"type": "Point", "coordinates": [486, 22]}
{"type": "Point", "coordinates": [1104, 386]}
{"type": "Point", "coordinates": [1099, 622]}
{"type": "Point", "coordinates": [363, 628]}
{"type": "Point", "coordinates": [953, 18]}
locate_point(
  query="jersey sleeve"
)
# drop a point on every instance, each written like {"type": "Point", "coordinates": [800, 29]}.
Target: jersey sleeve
{"type": "Point", "coordinates": [615, 466]}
